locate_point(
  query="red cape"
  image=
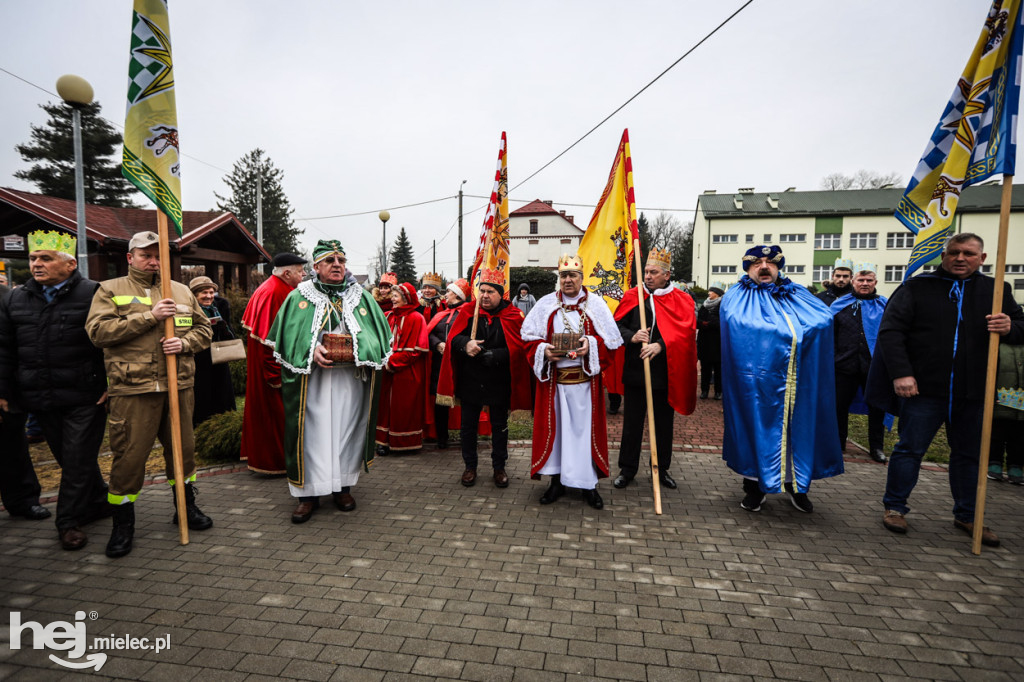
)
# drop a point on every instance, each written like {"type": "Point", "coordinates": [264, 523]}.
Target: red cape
{"type": "Point", "coordinates": [511, 319]}
{"type": "Point", "coordinates": [677, 323]}
{"type": "Point", "coordinates": [263, 306]}
{"type": "Point", "coordinates": [403, 403]}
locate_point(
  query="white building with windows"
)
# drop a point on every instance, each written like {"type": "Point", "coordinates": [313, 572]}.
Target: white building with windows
{"type": "Point", "coordinates": [816, 228]}
{"type": "Point", "coordinates": [538, 235]}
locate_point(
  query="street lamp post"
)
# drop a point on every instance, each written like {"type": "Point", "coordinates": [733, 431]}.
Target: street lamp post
{"type": "Point", "coordinates": [384, 218]}
{"type": "Point", "coordinates": [77, 93]}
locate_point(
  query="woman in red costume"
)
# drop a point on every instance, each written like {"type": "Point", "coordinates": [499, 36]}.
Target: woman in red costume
{"type": "Point", "coordinates": [402, 404]}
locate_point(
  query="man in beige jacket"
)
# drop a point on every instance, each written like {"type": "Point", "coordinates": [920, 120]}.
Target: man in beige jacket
{"type": "Point", "coordinates": [126, 320]}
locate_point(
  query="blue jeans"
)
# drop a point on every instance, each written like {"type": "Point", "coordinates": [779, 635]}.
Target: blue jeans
{"type": "Point", "coordinates": [920, 419]}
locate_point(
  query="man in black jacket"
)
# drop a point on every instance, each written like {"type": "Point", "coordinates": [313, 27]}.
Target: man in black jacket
{"type": "Point", "coordinates": [932, 347]}
{"type": "Point", "coordinates": [842, 281]}
{"type": "Point", "coordinates": [49, 367]}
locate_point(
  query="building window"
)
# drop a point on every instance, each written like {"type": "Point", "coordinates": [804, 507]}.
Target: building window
{"type": "Point", "coordinates": [767, 239]}
{"type": "Point", "coordinates": [1018, 284]}
{"type": "Point", "coordinates": [783, 238]}
{"type": "Point", "coordinates": [828, 242]}
{"type": "Point", "coordinates": [928, 268]}
{"type": "Point", "coordinates": [986, 269]}
{"type": "Point", "coordinates": [723, 269]}
{"type": "Point", "coordinates": [1014, 269]}
{"type": "Point", "coordinates": [900, 240]}
{"type": "Point", "coordinates": [894, 273]}
{"type": "Point", "coordinates": [822, 273]}
{"type": "Point", "coordinates": [750, 239]}
{"type": "Point", "coordinates": [567, 241]}
{"type": "Point", "coordinates": [794, 269]}
{"type": "Point", "coordinates": [723, 238]}
{"type": "Point", "coordinates": [533, 227]}
{"type": "Point", "coordinates": [864, 240]}
{"type": "Point", "coordinates": [532, 249]}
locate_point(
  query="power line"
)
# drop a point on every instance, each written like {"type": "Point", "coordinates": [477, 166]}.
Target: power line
{"type": "Point", "coordinates": [638, 93]}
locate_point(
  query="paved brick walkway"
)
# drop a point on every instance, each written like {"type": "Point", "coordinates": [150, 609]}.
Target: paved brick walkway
{"type": "Point", "coordinates": [431, 580]}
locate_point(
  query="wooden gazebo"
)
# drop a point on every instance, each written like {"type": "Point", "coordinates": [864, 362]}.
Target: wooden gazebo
{"type": "Point", "coordinates": [215, 240]}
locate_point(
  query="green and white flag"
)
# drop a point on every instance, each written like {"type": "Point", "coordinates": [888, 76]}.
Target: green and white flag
{"type": "Point", "coordinates": [151, 161]}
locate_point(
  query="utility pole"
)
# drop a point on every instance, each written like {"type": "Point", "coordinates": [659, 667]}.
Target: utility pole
{"type": "Point", "coordinates": [460, 274]}
{"type": "Point", "coordinates": [259, 212]}
{"type": "Point", "coordinates": [433, 247]}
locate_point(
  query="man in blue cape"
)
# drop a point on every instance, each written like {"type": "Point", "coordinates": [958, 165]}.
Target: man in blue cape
{"type": "Point", "coordinates": [779, 383]}
{"type": "Point", "coordinates": [856, 317]}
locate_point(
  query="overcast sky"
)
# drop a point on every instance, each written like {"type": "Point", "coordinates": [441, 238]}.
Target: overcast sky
{"type": "Point", "coordinates": [371, 105]}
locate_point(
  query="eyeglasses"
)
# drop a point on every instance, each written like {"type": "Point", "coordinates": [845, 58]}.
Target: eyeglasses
{"type": "Point", "coordinates": [334, 259]}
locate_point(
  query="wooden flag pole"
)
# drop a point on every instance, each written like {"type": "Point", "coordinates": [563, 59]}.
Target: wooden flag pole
{"type": "Point", "coordinates": [993, 364]}
{"type": "Point", "coordinates": [172, 380]}
{"type": "Point", "coordinates": [655, 473]}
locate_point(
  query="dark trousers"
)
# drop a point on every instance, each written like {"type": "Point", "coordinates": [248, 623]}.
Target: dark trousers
{"type": "Point", "coordinates": [19, 487]}
{"type": "Point", "coordinates": [846, 391]}
{"type": "Point", "coordinates": [499, 434]}
{"type": "Point", "coordinates": [634, 416]}
{"type": "Point", "coordinates": [920, 418]}
{"type": "Point", "coordinates": [1008, 437]}
{"type": "Point", "coordinates": [74, 435]}
{"type": "Point", "coordinates": [709, 369]}
{"type": "Point", "coordinates": [441, 423]}
{"type": "Point", "coordinates": [614, 401]}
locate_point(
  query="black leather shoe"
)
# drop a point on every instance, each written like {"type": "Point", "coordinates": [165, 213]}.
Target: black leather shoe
{"type": "Point", "coordinates": [344, 501]}
{"type": "Point", "coordinates": [500, 478]}
{"type": "Point", "coordinates": [593, 499]}
{"type": "Point", "coordinates": [305, 509]}
{"type": "Point", "coordinates": [554, 491]}
{"type": "Point", "coordinates": [667, 480]}
{"type": "Point", "coordinates": [73, 538]}
{"type": "Point", "coordinates": [703, 395]}
{"type": "Point", "coordinates": [621, 481]}
{"type": "Point", "coordinates": [878, 456]}
{"type": "Point", "coordinates": [35, 512]}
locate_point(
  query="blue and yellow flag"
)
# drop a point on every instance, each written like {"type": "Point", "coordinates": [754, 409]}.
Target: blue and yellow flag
{"type": "Point", "coordinates": [607, 246]}
{"type": "Point", "coordinates": [151, 160]}
{"type": "Point", "coordinates": [975, 138]}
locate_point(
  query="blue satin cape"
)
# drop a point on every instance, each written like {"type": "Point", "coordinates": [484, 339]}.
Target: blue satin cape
{"type": "Point", "coordinates": [778, 375]}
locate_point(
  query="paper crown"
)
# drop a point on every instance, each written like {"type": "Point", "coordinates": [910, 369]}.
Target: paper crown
{"type": "Point", "coordinates": [52, 241]}
{"type": "Point", "coordinates": [660, 258]}
{"type": "Point", "coordinates": [432, 279]}
{"type": "Point", "coordinates": [389, 278]}
{"type": "Point", "coordinates": [843, 263]}
{"type": "Point", "coordinates": [865, 267]}
{"type": "Point", "coordinates": [570, 263]}
{"type": "Point", "coordinates": [496, 277]}
{"type": "Point", "coordinates": [1010, 397]}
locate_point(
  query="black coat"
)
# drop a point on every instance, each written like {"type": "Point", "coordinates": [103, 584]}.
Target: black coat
{"type": "Point", "coordinates": [851, 345]}
{"type": "Point", "coordinates": [831, 293]}
{"type": "Point", "coordinates": [917, 333]}
{"type": "Point", "coordinates": [633, 366]}
{"type": "Point", "coordinates": [214, 392]}
{"type": "Point", "coordinates": [439, 334]}
{"type": "Point", "coordinates": [709, 334]}
{"type": "Point", "coordinates": [46, 359]}
{"type": "Point", "coordinates": [484, 379]}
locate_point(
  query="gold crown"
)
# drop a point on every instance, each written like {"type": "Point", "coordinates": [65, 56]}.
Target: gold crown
{"type": "Point", "coordinates": [52, 241]}
{"type": "Point", "coordinates": [496, 277]}
{"type": "Point", "coordinates": [570, 263]}
{"type": "Point", "coordinates": [432, 279]}
{"type": "Point", "coordinates": [660, 258]}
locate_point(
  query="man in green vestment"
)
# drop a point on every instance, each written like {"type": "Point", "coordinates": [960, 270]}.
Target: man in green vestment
{"type": "Point", "coordinates": [330, 405]}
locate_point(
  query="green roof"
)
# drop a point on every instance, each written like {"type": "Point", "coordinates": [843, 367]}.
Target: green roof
{"type": "Point", "coordinates": [975, 199]}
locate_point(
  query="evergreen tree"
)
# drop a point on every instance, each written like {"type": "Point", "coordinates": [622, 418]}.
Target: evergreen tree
{"type": "Point", "coordinates": [401, 262]}
{"type": "Point", "coordinates": [52, 154]}
{"type": "Point", "coordinates": [279, 233]}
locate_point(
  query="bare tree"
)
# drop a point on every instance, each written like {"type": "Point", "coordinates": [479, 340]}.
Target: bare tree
{"type": "Point", "coordinates": [862, 179]}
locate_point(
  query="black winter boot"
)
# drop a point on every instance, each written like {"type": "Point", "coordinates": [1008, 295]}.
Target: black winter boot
{"type": "Point", "coordinates": [554, 491]}
{"type": "Point", "coordinates": [123, 531]}
{"type": "Point", "coordinates": [197, 520]}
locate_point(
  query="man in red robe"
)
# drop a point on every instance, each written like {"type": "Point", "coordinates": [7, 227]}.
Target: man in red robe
{"type": "Point", "coordinates": [486, 368]}
{"type": "Point", "coordinates": [669, 341]}
{"type": "Point", "coordinates": [263, 422]}
{"type": "Point", "coordinates": [570, 438]}
{"type": "Point", "coordinates": [402, 394]}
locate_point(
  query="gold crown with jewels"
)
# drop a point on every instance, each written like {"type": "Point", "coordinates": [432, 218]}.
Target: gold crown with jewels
{"type": "Point", "coordinates": [570, 263]}
{"type": "Point", "coordinates": [432, 279]}
{"type": "Point", "coordinates": [660, 258]}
